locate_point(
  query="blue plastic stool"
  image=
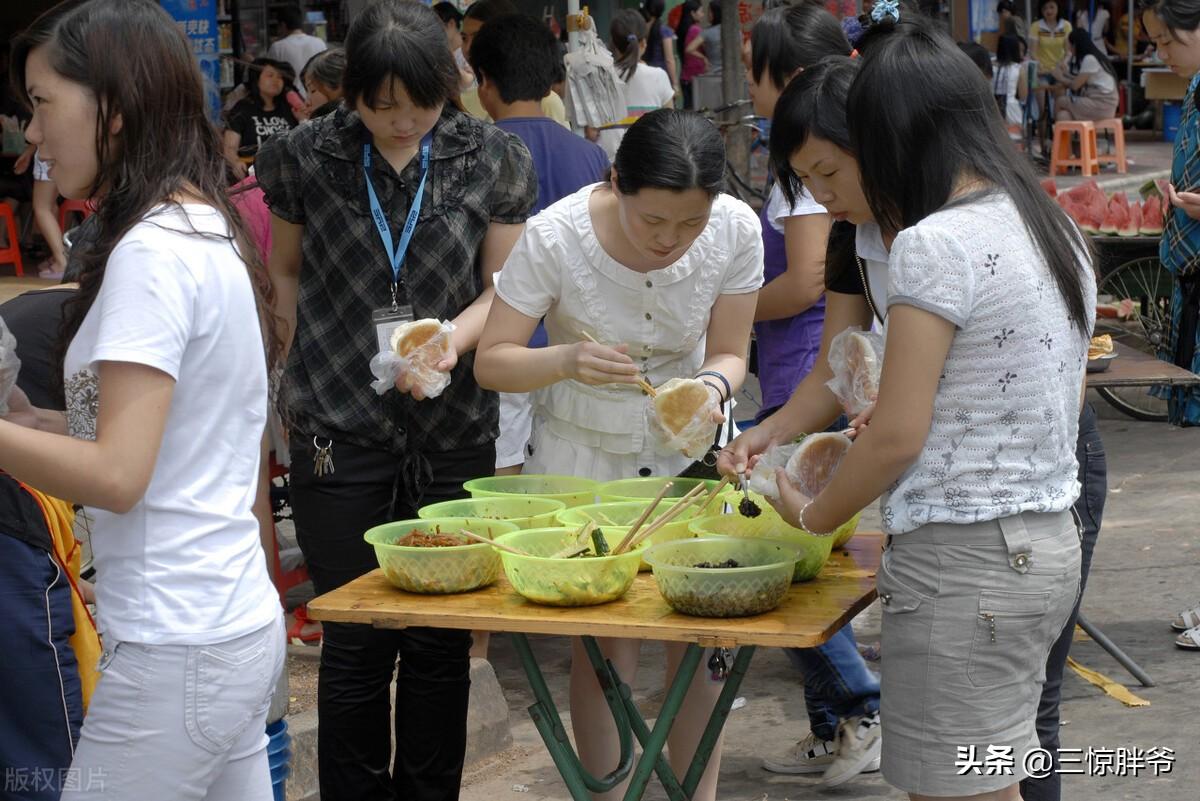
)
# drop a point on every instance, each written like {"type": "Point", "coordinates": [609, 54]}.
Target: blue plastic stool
{"type": "Point", "coordinates": [279, 756]}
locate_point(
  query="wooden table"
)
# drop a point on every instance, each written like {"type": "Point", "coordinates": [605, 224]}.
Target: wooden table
{"type": "Point", "coordinates": [1132, 368]}
{"type": "Point", "coordinates": [811, 613]}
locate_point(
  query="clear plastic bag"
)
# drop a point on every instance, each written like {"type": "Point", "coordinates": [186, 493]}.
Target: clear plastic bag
{"type": "Point", "coordinates": [10, 365]}
{"type": "Point", "coordinates": [683, 415]}
{"type": "Point", "coordinates": [762, 477]}
{"type": "Point", "coordinates": [419, 362]}
{"type": "Point", "coordinates": [815, 460]}
{"type": "Point", "coordinates": [856, 358]}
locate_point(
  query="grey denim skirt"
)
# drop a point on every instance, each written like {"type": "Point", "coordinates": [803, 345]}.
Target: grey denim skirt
{"type": "Point", "coordinates": [969, 615]}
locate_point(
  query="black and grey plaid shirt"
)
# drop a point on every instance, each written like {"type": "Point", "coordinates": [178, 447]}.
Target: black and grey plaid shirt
{"type": "Point", "coordinates": [313, 176]}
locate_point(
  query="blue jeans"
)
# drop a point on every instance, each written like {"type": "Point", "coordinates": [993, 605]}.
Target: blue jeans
{"type": "Point", "coordinates": [1093, 478]}
{"type": "Point", "coordinates": [837, 683]}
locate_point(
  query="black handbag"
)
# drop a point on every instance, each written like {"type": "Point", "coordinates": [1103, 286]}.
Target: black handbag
{"type": "Point", "coordinates": [706, 465]}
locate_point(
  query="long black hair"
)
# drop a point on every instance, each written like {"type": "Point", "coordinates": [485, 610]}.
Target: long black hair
{"type": "Point", "coordinates": [627, 31]}
{"type": "Point", "coordinates": [790, 38]}
{"type": "Point", "coordinates": [1081, 40]}
{"type": "Point", "coordinates": [255, 71]}
{"type": "Point", "coordinates": [945, 131]}
{"type": "Point", "coordinates": [814, 105]}
{"type": "Point", "coordinates": [1008, 50]}
{"type": "Point", "coordinates": [685, 24]}
{"type": "Point", "coordinates": [132, 56]}
{"type": "Point", "coordinates": [652, 11]}
{"type": "Point", "coordinates": [1177, 15]}
{"type": "Point", "coordinates": [671, 149]}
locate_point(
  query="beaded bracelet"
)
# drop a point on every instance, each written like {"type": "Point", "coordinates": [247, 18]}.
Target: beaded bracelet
{"type": "Point", "coordinates": [804, 525]}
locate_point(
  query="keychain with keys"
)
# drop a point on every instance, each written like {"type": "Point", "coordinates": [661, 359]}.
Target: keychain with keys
{"type": "Point", "coordinates": [323, 460]}
{"type": "Point", "coordinates": [718, 665]}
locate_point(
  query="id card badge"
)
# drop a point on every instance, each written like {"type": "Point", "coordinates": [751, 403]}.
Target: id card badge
{"type": "Point", "coordinates": [386, 321]}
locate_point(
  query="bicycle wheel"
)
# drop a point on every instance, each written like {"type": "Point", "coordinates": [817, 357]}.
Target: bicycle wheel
{"type": "Point", "coordinates": [1149, 285]}
{"type": "Point", "coordinates": [740, 188]}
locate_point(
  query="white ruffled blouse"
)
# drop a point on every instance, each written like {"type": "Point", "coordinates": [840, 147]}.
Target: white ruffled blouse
{"type": "Point", "coordinates": [559, 271]}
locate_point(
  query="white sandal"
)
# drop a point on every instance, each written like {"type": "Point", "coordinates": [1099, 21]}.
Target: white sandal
{"type": "Point", "coordinates": [1188, 619]}
{"type": "Point", "coordinates": [1189, 640]}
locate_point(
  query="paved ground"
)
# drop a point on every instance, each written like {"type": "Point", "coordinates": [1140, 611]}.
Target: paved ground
{"type": "Point", "coordinates": [1144, 571]}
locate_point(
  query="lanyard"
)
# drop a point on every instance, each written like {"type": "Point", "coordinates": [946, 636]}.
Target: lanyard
{"type": "Point", "coordinates": [396, 255]}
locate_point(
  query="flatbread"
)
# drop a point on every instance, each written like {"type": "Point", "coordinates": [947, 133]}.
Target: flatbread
{"type": "Point", "coordinates": [863, 364]}
{"type": "Point", "coordinates": [411, 336]}
{"type": "Point", "coordinates": [815, 461]}
{"type": "Point", "coordinates": [679, 401]}
{"type": "Point", "coordinates": [1100, 346]}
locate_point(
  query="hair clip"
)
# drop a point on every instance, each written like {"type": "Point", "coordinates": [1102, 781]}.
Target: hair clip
{"type": "Point", "coordinates": [885, 8]}
{"type": "Point", "coordinates": [631, 37]}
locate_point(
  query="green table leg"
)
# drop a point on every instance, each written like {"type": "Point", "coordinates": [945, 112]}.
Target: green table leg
{"type": "Point", "coordinates": [716, 722]}
{"type": "Point", "coordinates": [629, 721]}
{"type": "Point", "coordinates": [549, 724]}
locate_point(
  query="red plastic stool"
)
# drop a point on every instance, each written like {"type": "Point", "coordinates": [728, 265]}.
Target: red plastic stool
{"type": "Point", "coordinates": [11, 252]}
{"type": "Point", "coordinates": [83, 208]}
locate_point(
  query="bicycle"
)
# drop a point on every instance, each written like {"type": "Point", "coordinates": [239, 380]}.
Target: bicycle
{"type": "Point", "coordinates": [736, 184]}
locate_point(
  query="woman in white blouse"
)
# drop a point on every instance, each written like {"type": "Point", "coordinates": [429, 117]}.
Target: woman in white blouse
{"type": "Point", "coordinates": [664, 270]}
{"type": "Point", "coordinates": [1091, 79]}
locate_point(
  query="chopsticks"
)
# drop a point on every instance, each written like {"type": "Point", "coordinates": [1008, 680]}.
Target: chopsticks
{"type": "Point", "coordinates": [666, 517]}
{"type": "Point", "coordinates": [712, 496]}
{"type": "Point", "coordinates": [642, 519]}
{"type": "Point", "coordinates": [643, 383]}
{"type": "Point", "coordinates": [462, 532]}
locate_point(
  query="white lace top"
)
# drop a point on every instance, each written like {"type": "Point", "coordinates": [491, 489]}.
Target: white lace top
{"type": "Point", "coordinates": [559, 271]}
{"type": "Point", "coordinates": [1006, 413]}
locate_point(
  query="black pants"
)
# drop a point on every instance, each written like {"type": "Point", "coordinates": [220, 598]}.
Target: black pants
{"type": "Point", "coordinates": [1093, 476]}
{"type": "Point", "coordinates": [358, 661]}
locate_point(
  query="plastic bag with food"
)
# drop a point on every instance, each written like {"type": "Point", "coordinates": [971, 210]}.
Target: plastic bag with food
{"type": "Point", "coordinates": [762, 477]}
{"type": "Point", "coordinates": [10, 365]}
{"type": "Point", "coordinates": [815, 460]}
{"type": "Point", "coordinates": [416, 349]}
{"type": "Point", "coordinates": [683, 411]}
{"type": "Point", "coordinates": [856, 358]}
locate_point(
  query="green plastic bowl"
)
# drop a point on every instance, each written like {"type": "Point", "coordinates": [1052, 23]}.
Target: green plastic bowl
{"type": "Point", "coordinates": [565, 582]}
{"type": "Point", "coordinates": [636, 489]}
{"type": "Point", "coordinates": [814, 551]}
{"type": "Point", "coordinates": [524, 512]}
{"type": "Point", "coordinates": [757, 585]}
{"type": "Point", "coordinates": [616, 518]}
{"type": "Point", "coordinates": [571, 491]}
{"type": "Point", "coordinates": [459, 568]}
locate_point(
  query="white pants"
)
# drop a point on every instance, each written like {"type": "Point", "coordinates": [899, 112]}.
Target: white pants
{"type": "Point", "coordinates": [183, 722]}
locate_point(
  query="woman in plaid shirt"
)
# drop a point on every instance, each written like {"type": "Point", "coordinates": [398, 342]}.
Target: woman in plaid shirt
{"type": "Point", "coordinates": [380, 457]}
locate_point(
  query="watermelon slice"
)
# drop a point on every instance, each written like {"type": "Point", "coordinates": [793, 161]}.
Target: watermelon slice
{"type": "Point", "coordinates": [1152, 217]}
{"type": "Point", "coordinates": [1114, 218]}
{"type": "Point", "coordinates": [1121, 199]}
{"type": "Point", "coordinates": [1133, 224]}
{"type": "Point", "coordinates": [1050, 187]}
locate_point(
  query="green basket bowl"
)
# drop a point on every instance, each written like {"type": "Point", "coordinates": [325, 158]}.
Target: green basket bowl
{"type": "Point", "coordinates": [637, 489]}
{"type": "Point", "coordinates": [758, 585]}
{"type": "Point", "coordinates": [814, 550]}
{"type": "Point", "coordinates": [527, 512]}
{"type": "Point", "coordinates": [616, 518]}
{"type": "Point", "coordinates": [565, 582]}
{"type": "Point", "coordinates": [438, 571]}
{"type": "Point", "coordinates": [571, 491]}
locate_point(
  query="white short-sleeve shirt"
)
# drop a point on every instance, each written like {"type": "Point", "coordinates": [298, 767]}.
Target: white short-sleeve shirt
{"type": "Point", "coordinates": [778, 210]}
{"type": "Point", "coordinates": [184, 565]}
{"type": "Point", "coordinates": [1006, 413]}
{"type": "Point", "coordinates": [559, 271]}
